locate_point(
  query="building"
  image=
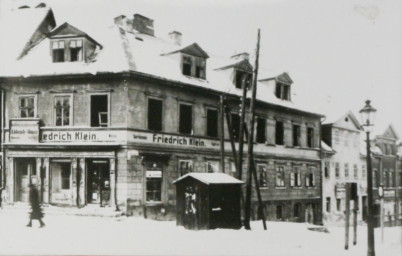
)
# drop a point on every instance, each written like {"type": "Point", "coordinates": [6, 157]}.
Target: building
{"type": "Point", "coordinates": [114, 115]}
{"type": "Point", "coordinates": [342, 163]}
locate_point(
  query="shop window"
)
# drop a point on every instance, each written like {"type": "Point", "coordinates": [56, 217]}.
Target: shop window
{"type": "Point", "coordinates": [62, 107]}
{"type": "Point", "coordinates": [310, 137]}
{"type": "Point", "coordinates": [346, 170]}
{"type": "Point", "coordinates": [337, 171]}
{"type": "Point", "coordinates": [212, 123]}
{"type": "Point", "coordinates": [99, 111]}
{"type": "Point", "coordinates": [155, 115]}
{"type": "Point", "coordinates": [296, 135]}
{"type": "Point", "coordinates": [75, 50]}
{"type": "Point", "coordinates": [186, 119]}
{"type": "Point", "coordinates": [213, 166]}
{"type": "Point", "coordinates": [295, 180]}
{"type": "Point", "coordinates": [326, 170]}
{"type": "Point", "coordinates": [240, 75]}
{"type": "Point", "coordinates": [235, 120]}
{"type": "Point", "coordinates": [154, 185]}
{"type": "Point", "coordinates": [279, 212]}
{"type": "Point", "coordinates": [61, 175]}
{"type": "Point", "coordinates": [328, 204]}
{"type": "Point", "coordinates": [261, 137]}
{"type": "Point", "coordinates": [262, 176]}
{"type": "Point", "coordinates": [58, 51]}
{"type": "Point", "coordinates": [280, 176]}
{"type": "Point", "coordinates": [282, 91]}
{"type": "Point", "coordinates": [279, 132]}
{"type": "Point", "coordinates": [185, 166]}
{"type": "Point", "coordinates": [355, 171]}
{"type": "Point", "coordinates": [296, 210]}
{"type": "Point", "coordinates": [27, 106]}
{"type": "Point", "coordinates": [310, 178]}
{"type": "Point", "coordinates": [338, 204]}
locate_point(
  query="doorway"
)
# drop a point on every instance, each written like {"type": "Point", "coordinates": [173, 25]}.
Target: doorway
{"type": "Point", "coordinates": [25, 173]}
{"type": "Point", "coordinates": [98, 182]}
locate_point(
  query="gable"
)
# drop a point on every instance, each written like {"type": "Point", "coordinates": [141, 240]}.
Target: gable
{"type": "Point", "coordinates": [284, 78]}
{"type": "Point", "coordinates": [348, 121]}
{"type": "Point", "coordinates": [390, 133]}
{"type": "Point", "coordinates": [195, 50]}
{"type": "Point", "coordinates": [243, 65]}
{"type": "Point", "coordinates": [67, 30]}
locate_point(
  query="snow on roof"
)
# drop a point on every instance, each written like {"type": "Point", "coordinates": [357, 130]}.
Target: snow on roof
{"type": "Point", "coordinates": [211, 178]}
{"type": "Point", "coordinates": [128, 51]}
{"type": "Point", "coordinates": [327, 148]}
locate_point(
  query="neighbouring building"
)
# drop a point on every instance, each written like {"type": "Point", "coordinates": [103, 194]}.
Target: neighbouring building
{"type": "Point", "coordinates": [113, 115]}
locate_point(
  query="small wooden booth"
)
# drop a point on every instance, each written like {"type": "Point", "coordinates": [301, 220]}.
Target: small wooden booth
{"type": "Point", "coordinates": [208, 201]}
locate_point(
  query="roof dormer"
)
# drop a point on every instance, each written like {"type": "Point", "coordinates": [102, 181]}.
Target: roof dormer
{"type": "Point", "coordinates": [242, 70]}
{"type": "Point", "coordinates": [69, 44]}
{"type": "Point", "coordinates": [283, 84]}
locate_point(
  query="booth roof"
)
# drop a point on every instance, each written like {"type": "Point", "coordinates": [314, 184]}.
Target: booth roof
{"type": "Point", "coordinates": [211, 178]}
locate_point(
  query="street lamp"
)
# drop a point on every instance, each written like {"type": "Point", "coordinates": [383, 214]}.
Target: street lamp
{"type": "Point", "coordinates": [367, 114]}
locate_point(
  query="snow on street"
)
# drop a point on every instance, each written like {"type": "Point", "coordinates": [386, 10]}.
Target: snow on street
{"type": "Point", "coordinates": [136, 236]}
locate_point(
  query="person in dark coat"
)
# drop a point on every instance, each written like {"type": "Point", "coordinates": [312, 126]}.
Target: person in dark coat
{"type": "Point", "coordinates": [36, 210]}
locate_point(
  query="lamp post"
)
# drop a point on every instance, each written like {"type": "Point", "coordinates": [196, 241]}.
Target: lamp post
{"type": "Point", "coordinates": [367, 115]}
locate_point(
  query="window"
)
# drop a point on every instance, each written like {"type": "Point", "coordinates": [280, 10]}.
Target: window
{"type": "Point", "coordinates": [194, 66]}
{"type": "Point", "coordinates": [27, 106]}
{"type": "Point", "coordinates": [235, 120]}
{"type": "Point", "coordinates": [154, 185]}
{"type": "Point", "coordinates": [295, 180]}
{"type": "Point", "coordinates": [328, 204]}
{"type": "Point", "coordinates": [155, 115]}
{"type": "Point", "coordinates": [65, 175]}
{"type": "Point", "coordinates": [75, 50]}
{"type": "Point", "coordinates": [338, 204]}
{"type": "Point", "coordinates": [310, 137]}
{"type": "Point", "coordinates": [62, 107]}
{"type": "Point", "coordinates": [279, 133]}
{"type": "Point", "coordinates": [260, 138]}
{"type": "Point", "coordinates": [213, 166]}
{"type": "Point", "coordinates": [296, 210]}
{"type": "Point", "coordinates": [391, 178]}
{"type": "Point", "coordinates": [346, 170]}
{"type": "Point", "coordinates": [99, 111]}
{"type": "Point", "coordinates": [282, 91]}
{"type": "Point", "coordinates": [58, 51]}
{"type": "Point", "coordinates": [296, 135]}
{"type": "Point", "coordinates": [337, 171]}
{"type": "Point", "coordinates": [310, 177]}
{"type": "Point", "coordinates": [363, 171]}
{"type": "Point", "coordinates": [385, 180]}
{"type": "Point", "coordinates": [279, 212]}
{"type": "Point", "coordinates": [355, 171]}
{"type": "Point", "coordinates": [186, 119]}
{"type": "Point", "coordinates": [376, 178]}
{"type": "Point", "coordinates": [326, 170]}
{"type": "Point", "coordinates": [262, 176]}
{"type": "Point", "coordinates": [185, 166]}
{"type": "Point", "coordinates": [212, 123]}
{"type": "Point", "coordinates": [280, 176]}
{"type": "Point", "coordinates": [239, 77]}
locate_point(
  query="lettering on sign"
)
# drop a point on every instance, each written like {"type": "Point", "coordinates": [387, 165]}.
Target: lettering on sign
{"type": "Point", "coordinates": [389, 193]}
{"type": "Point", "coordinates": [24, 131]}
{"type": "Point", "coordinates": [177, 140]}
{"type": "Point", "coordinates": [340, 191]}
{"type": "Point", "coordinates": [83, 136]}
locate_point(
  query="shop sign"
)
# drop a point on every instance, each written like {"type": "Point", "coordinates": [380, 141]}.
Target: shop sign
{"type": "Point", "coordinates": [83, 136]}
{"type": "Point", "coordinates": [24, 131]}
{"type": "Point", "coordinates": [154, 174]}
{"type": "Point", "coordinates": [340, 191]}
{"type": "Point", "coordinates": [389, 193]}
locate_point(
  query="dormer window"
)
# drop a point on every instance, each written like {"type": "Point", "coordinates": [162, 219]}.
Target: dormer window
{"type": "Point", "coordinates": [67, 50]}
{"type": "Point", "coordinates": [75, 50]}
{"type": "Point", "coordinates": [58, 51]}
{"type": "Point", "coordinates": [194, 66]}
{"type": "Point", "coordinates": [239, 76]}
{"type": "Point", "coordinates": [282, 91]}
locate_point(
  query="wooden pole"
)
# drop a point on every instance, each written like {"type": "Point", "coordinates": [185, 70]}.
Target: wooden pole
{"type": "Point", "coordinates": [356, 208]}
{"type": "Point", "coordinates": [251, 140]}
{"type": "Point", "coordinates": [241, 129]}
{"type": "Point", "coordinates": [347, 209]}
{"type": "Point", "coordinates": [222, 133]}
{"type": "Point", "coordinates": [229, 124]}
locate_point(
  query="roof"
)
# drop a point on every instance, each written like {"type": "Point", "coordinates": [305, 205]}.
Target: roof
{"type": "Point", "coordinates": [210, 178]}
{"type": "Point", "coordinates": [66, 30]}
{"type": "Point", "coordinates": [340, 121]}
{"type": "Point", "coordinates": [193, 49]}
{"type": "Point", "coordinates": [389, 133]}
{"type": "Point", "coordinates": [327, 148]}
{"type": "Point", "coordinates": [282, 78]}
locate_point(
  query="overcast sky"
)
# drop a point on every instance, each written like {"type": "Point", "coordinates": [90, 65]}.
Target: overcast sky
{"type": "Point", "coordinates": [339, 53]}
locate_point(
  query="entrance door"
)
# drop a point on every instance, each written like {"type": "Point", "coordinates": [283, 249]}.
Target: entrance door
{"type": "Point", "coordinates": [98, 182]}
{"type": "Point", "coordinates": [25, 172]}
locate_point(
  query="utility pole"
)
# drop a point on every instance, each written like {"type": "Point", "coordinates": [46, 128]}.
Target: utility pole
{"type": "Point", "coordinates": [222, 132]}
{"type": "Point", "coordinates": [251, 139]}
{"type": "Point", "coordinates": [241, 129]}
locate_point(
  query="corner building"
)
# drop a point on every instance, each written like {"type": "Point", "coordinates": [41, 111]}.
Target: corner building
{"type": "Point", "coordinates": [111, 117]}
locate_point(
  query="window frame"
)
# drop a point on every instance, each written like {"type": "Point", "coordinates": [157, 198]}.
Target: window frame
{"type": "Point", "coordinates": [346, 170]}
{"type": "Point", "coordinates": [206, 121]}
{"type": "Point", "coordinates": [282, 136]}
{"type": "Point", "coordinates": [257, 138]}
{"type": "Point", "coordinates": [280, 169]}
{"type": "Point", "coordinates": [162, 110]}
{"type": "Point", "coordinates": [310, 177]}
{"type": "Point", "coordinates": [52, 49]}
{"type": "Point", "coordinates": [195, 60]}
{"type": "Point", "coordinates": [35, 99]}
{"type": "Point", "coordinates": [108, 107]}
{"type": "Point", "coordinates": [296, 135]}
{"type": "Point", "coordinates": [265, 174]}
{"type": "Point", "coordinates": [192, 118]}
{"type": "Point", "coordinates": [355, 171]}
{"type": "Point", "coordinates": [310, 137]}
{"type": "Point", "coordinates": [213, 162]}
{"type": "Point", "coordinates": [282, 91]}
{"type": "Point", "coordinates": [71, 99]}
{"type": "Point", "coordinates": [147, 201]}
{"type": "Point", "coordinates": [81, 54]}
{"type": "Point", "coordinates": [185, 161]}
{"type": "Point", "coordinates": [237, 79]}
{"type": "Point", "coordinates": [295, 177]}
{"type": "Point", "coordinates": [327, 169]}
{"type": "Point", "coordinates": [337, 170]}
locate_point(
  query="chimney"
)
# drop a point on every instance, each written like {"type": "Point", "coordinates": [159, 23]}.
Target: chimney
{"type": "Point", "coordinates": [175, 37]}
{"type": "Point", "coordinates": [143, 24]}
{"type": "Point", "coordinates": [120, 20]}
{"type": "Point", "coordinates": [241, 56]}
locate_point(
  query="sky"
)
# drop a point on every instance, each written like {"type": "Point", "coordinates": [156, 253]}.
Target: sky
{"type": "Point", "coordinates": [338, 53]}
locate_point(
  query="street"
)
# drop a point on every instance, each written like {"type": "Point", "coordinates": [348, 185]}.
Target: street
{"type": "Point", "coordinates": [71, 235]}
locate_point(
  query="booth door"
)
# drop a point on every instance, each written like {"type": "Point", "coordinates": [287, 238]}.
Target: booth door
{"type": "Point", "coordinates": [98, 182]}
{"type": "Point", "coordinates": [25, 171]}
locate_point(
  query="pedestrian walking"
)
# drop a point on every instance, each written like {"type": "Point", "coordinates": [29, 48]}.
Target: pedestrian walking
{"type": "Point", "coordinates": [36, 210]}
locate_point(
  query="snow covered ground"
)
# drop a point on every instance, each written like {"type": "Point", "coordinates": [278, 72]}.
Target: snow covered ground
{"type": "Point", "coordinates": [70, 235]}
